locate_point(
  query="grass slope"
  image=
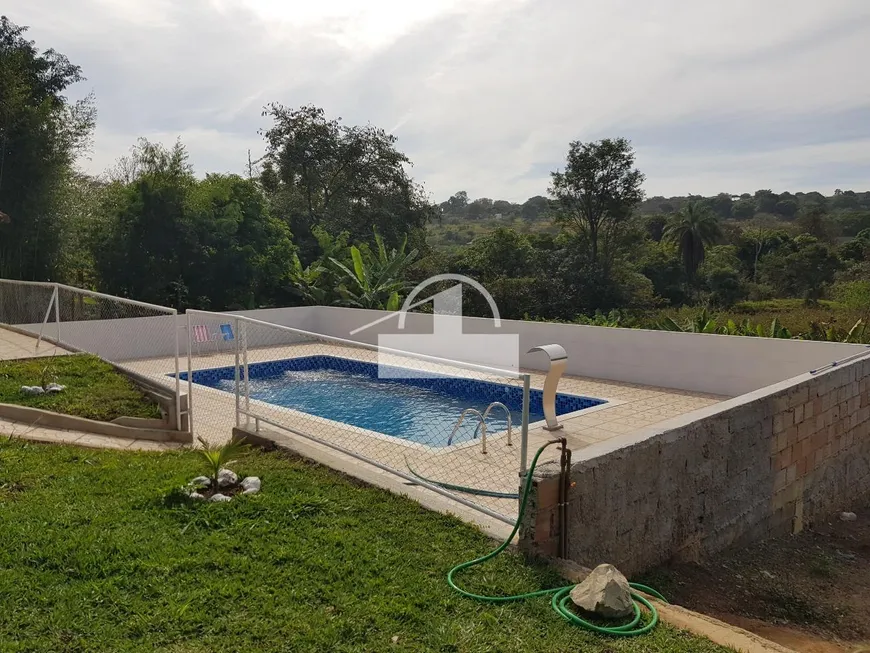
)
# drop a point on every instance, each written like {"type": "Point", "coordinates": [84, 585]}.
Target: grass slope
{"type": "Point", "coordinates": [99, 554]}
{"type": "Point", "coordinates": [93, 388]}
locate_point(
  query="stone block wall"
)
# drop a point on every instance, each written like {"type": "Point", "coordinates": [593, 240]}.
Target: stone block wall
{"type": "Point", "coordinates": [761, 465]}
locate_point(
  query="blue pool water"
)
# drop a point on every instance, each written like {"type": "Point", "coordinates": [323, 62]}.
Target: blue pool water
{"type": "Point", "coordinates": [423, 410]}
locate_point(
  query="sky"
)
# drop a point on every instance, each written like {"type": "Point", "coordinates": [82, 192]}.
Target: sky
{"type": "Point", "coordinates": [486, 95]}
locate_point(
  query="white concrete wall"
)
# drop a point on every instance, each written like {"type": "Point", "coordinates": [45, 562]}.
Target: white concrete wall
{"type": "Point", "coordinates": [153, 337]}
{"type": "Point", "coordinates": [726, 365]}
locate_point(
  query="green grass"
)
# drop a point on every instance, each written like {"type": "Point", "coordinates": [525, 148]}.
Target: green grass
{"type": "Point", "coordinates": [100, 553]}
{"type": "Point", "coordinates": [93, 388]}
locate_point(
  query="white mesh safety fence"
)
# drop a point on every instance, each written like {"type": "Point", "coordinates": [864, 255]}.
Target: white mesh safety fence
{"type": "Point", "coordinates": [453, 427]}
{"type": "Point", "coordinates": [145, 339]}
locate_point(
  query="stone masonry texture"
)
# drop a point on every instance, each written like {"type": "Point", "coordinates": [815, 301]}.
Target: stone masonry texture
{"type": "Point", "coordinates": [763, 468]}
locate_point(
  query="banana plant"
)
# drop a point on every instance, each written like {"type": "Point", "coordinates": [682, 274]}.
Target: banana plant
{"type": "Point", "coordinates": [701, 323]}
{"type": "Point", "coordinates": [375, 280]}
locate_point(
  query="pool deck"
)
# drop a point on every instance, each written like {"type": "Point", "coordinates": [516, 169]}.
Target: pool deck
{"type": "Point", "coordinates": [629, 407]}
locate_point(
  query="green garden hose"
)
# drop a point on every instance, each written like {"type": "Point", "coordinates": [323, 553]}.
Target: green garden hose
{"type": "Point", "coordinates": [561, 595]}
{"type": "Point", "coordinates": [463, 488]}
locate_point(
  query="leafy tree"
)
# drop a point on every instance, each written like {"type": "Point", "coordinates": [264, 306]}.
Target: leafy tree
{"type": "Point", "coordinates": [845, 200]}
{"type": "Point", "coordinates": [857, 249]}
{"type": "Point", "coordinates": [743, 209]}
{"type": "Point", "coordinates": [761, 240]}
{"type": "Point", "coordinates": [692, 230]}
{"type": "Point", "coordinates": [172, 239]}
{"type": "Point", "coordinates": [374, 280]}
{"type": "Point", "coordinates": [786, 208]}
{"type": "Point", "coordinates": [725, 286]}
{"type": "Point", "coordinates": [458, 203]}
{"type": "Point", "coordinates": [41, 133]}
{"type": "Point", "coordinates": [535, 207]}
{"type": "Point", "coordinates": [319, 171]}
{"type": "Point", "coordinates": [598, 191]}
{"type": "Point", "coordinates": [662, 267]}
{"type": "Point", "coordinates": [503, 253]}
{"type": "Point", "coordinates": [803, 269]}
{"type": "Point", "coordinates": [765, 201]}
{"type": "Point", "coordinates": [722, 205]}
{"type": "Point", "coordinates": [813, 220]}
{"type": "Point", "coordinates": [480, 208]}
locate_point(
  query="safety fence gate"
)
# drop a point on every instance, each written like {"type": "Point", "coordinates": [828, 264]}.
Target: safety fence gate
{"type": "Point", "coordinates": [143, 339]}
{"type": "Point", "coordinates": [455, 428]}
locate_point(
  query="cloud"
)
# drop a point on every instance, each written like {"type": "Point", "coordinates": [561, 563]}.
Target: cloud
{"type": "Point", "coordinates": [485, 95]}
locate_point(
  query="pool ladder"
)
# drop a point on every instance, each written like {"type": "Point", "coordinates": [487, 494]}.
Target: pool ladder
{"type": "Point", "coordinates": [481, 425]}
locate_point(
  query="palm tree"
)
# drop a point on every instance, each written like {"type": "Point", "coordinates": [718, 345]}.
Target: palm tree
{"type": "Point", "coordinates": [692, 229]}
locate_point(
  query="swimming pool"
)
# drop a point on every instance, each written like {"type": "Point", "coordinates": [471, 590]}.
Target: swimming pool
{"type": "Point", "coordinates": [422, 410]}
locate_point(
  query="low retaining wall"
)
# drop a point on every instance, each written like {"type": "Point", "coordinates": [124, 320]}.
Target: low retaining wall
{"type": "Point", "coordinates": [764, 464]}
{"type": "Point", "coordinates": [49, 419]}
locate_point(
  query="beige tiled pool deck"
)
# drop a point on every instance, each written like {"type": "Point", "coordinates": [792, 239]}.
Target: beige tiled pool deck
{"type": "Point", "coordinates": [629, 407]}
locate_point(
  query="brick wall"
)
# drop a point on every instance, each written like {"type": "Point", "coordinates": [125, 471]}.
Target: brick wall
{"type": "Point", "coordinates": [764, 464]}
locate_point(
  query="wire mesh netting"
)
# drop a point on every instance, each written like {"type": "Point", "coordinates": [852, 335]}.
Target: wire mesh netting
{"type": "Point", "coordinates": [450, 424]}
{"type": "Point", "coordinates": [140, 337]}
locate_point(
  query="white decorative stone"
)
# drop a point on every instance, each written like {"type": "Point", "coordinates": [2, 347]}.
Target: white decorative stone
{"type": "Point", "coordinates": [196, 496]}
{"type": "Point", "coordinates": [201, 481]}
{"type": "Point", "coordinates": [227, 478]}
{"type": "Point", "coordinates": [848, 516]}
{"type": "Point", "coordinates": [250, 483]}
{"type": "Point", "coordinates": [219, 498]}
{"type": "Point", "coordinates": [606, 592]}
{"type": "Point", "coordinates": [55, 387]}
{"type": "Point", "coordinates": [32, 390]}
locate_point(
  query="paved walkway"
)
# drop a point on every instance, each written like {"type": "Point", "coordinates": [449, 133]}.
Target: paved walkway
{"type": "Point", "coordinates": [15, 345]}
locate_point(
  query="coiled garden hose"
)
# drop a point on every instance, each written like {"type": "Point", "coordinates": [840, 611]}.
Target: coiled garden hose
{"type": "Point", "coordinates": [561, 595]}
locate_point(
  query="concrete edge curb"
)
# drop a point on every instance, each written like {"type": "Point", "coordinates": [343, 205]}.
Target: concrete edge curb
{"type": "Point", "coordinates": [49, 419]}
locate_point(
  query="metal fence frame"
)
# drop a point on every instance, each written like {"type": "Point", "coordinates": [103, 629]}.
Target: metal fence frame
{"type": "Point", "coordinates": [244, 411]}
{"type": "Point", "coordinates": [54, 303]}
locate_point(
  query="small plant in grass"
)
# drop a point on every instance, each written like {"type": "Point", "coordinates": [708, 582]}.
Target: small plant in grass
{"type": "Point", "coordinates": [49, 375]}
{"type": "Point", "coordinates": [222, 483]}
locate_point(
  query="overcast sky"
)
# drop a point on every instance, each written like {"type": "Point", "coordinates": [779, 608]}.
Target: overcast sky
{"type": "Point", "coordinates": [485, 95]}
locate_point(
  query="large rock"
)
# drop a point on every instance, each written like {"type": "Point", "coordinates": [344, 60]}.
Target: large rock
{"type": "Point", "coordinates": [606, 592]}
{"type": "Point", "coordinates": [201, 481]}
{"type": "Point", "coordinates": [227, 478]}
{"type": "Point", "coordinates": [250, 485]}
{"type": "Point", "coordinates": [219, 498]}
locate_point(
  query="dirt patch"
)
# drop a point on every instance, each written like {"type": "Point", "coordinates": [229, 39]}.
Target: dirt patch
{"type": "Point", "coordinates": [809, 592]}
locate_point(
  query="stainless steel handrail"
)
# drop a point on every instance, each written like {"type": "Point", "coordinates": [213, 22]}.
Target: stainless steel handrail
{"type": "Point", "coordinates": [498, 404]}
{"type": "Point", "coordinates": [481, 425]}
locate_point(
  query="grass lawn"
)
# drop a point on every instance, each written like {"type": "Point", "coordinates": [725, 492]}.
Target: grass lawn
{"type": "Point", "coordinates": [93, 388]}
{"type": "Point", "coordinates": [100, 554]}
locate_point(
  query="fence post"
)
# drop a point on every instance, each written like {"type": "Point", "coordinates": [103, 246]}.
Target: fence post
{"type": "Point", "coordinates": [247, 380]}
{"type": "Point", "coordinates": [176, 327]}
{"type": "Point", "coordinates": [238, 389]}
{"type": "Point", "coordinates": [189, 379]}
{"type": "Point", "coordinates": [524, 432]}
{"type": "Point", "coordinates": [57, 310]}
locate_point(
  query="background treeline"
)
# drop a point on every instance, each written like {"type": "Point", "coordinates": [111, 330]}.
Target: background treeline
{"type": "Point", "coordinates": [329, 214]}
